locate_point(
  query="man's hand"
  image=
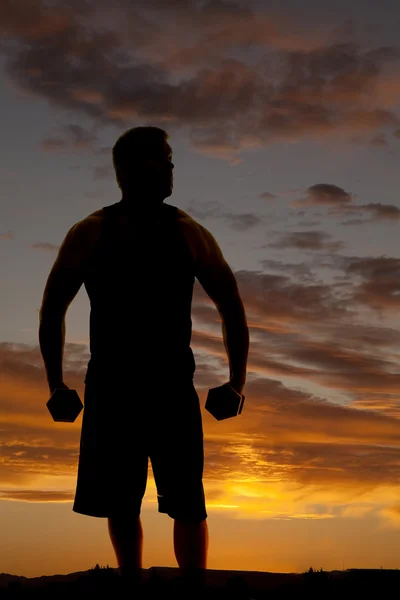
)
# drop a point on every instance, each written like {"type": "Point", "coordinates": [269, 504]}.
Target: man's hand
{"type": "Point", "coordinates": [237, 385]}
{"type": "Point", "coordinates": [57, 385]}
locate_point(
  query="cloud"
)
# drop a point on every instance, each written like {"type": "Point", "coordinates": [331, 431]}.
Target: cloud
{"type": "Point", "coordinates": [378, 281]}
{"type": "Point", "coordinates": [103, 172]}
{"type": "Point", "coordinates": [243, 222]}
{"type": "Point", "coordinates": [306, 240]}
{"type": "Point", "coordinates": [46, 246]}
{"type": "Point", "coordinates": [37, 496]}
{"type": "Point", "coordinates": [340, 203]}
{"type": "Point", "coordinates": [381, 211]}
{"type": "Point", "coordinates": [284, 435]}
{"type": "Point", "coordinates": [186, 74]}
{"type": "Point", "coordinates": [320, 411]}
{"type": "Point", "coordinates": [75, 138]}
{"type": "Point", "coordinates": [7, 236]}
{"type": "Point", "coordinates": [379, 140]}
{"type": "Point", "coordinates": [300, 270]}
{"type": "Point", "coordinates": [205, 210]}
{"type": "Point", "coordinates": [325, 194]}
{"type": "Point", "coordinates": [267, 196]}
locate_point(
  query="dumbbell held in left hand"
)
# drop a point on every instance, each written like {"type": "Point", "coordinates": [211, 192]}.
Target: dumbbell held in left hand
{"type": "Point", "coordinates": [224, 402]}
{"type": "Point", "coordinates": [64, 405]}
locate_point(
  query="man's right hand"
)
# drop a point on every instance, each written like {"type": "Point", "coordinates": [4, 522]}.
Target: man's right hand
{"type": "Point", "coordinates": [57, 385]}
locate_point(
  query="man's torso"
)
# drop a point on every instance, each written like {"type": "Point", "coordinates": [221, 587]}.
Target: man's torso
{"type": "Point", "coordinates": [139, 278]}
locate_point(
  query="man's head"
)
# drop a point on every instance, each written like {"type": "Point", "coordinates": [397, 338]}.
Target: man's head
{"type": "Point", "coordinates": [142, 163]}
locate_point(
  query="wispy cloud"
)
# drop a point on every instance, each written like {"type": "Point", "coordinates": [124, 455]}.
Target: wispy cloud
{"type": "Point", "coordinates": [46, 246]}
{"type": "Point", "coordinates": [189, 73]}
{"type": "Point", "coordinates": [290, 442]}
{"type": "Point", "coordinates": [7, 236]}
{"type": "Point", "coordinates": [306, 240]}
{"type": "Point", "coordinates": [74, 138]}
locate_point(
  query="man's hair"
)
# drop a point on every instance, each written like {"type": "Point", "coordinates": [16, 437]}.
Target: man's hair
{"type": "Point", "coordinates": [138, 142]}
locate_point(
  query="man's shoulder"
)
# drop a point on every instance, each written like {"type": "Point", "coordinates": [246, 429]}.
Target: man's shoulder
{"type": "Point", "coordinates": [203, 244]}
{"type": "Point", "coordinates": [92, 221]}
{"type": "Point", "coordinates": [188, 222]}
{"type": "Point", "coordinates": [191, 228]}
{"type": "Point", "coordinates": [86, 231]}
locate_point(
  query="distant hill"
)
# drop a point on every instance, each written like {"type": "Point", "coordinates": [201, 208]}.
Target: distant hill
{"type": "Point", "coordinates": [6, 578]}
{"type": "Point", "coordinates": [215, 578]}
{"type": "Point", "coordinates": [356, 580]}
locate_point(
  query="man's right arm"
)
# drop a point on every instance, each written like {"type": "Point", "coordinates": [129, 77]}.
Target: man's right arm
{"type": "Point", "coordinates": [63, 283]}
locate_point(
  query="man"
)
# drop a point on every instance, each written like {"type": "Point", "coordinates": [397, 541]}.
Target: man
{"type": "Point", "coordinates": [138, 259]}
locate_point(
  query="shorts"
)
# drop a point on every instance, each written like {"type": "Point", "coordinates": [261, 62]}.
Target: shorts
{"type": "Point", "coordinates": [123, 427]}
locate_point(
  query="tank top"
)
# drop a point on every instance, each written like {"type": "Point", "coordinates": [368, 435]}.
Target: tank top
{"type": "Point", "coordinates": [140, 293]}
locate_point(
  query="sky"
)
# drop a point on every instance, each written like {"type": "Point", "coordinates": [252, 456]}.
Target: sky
{"type": "Point", "coordinates": [284, 120]}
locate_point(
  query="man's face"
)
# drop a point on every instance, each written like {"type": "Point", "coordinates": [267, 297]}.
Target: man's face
{"type": "Point", "coordinates": [151, 174]}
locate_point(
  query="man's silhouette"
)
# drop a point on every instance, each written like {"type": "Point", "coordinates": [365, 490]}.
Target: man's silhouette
{"type": "Point", "coordinates": [138, 259]}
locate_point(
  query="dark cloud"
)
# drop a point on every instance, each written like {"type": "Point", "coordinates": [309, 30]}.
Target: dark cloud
{"type": "Point", "coordinates": [133, 68]}
{"type": "Point", "coordinates": [75, 138]}
{"type": "Point", "coordinates": [278, 299]}
{"type": "Point", "coordinates": [267, 196]}
{"type": "Point", "coordinates": [103, 172]}
{"type": "Point", "coordinates": [340, 203]}
{"type": "Point", "coordinates": [7, 236]}
{"type": "Point", "coordinates": [325, 194]}
{"type": "Point", "coordinates": [238, 222]}
{"type": "Point", "coordinates": [204, 210]}
{"type": "Point", "coordinates": [300, 270]}
{"type": "Point", "coordinates": [380, 281]}
{"type": "Point", "coordinates": [353, 222]}
{"type": "Point", "coordinates": [306, 223]}
{"type": "Point", "coordinates": [379, 140]}
{"type": "Point", "coordinates": [381, 211]}
{"type": "Point", "coordinates": [306, 240]}
{"type": "Point", "coordinates": [243, 222]}
{"type": "Point", "coordinates": [46, 246]}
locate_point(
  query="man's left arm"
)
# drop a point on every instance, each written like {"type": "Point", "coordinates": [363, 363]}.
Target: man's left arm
{"type": "Point", "coordinates": [218, 281]}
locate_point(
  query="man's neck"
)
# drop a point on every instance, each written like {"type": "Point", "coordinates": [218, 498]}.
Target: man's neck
{"type": "Point", "coordinates": [140, 205]}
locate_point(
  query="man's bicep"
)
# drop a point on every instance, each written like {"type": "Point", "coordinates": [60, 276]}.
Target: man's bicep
{"type": "Point", "coordinates": [219, 283]}
{"type": "Point", "coordinates": [66, 275]}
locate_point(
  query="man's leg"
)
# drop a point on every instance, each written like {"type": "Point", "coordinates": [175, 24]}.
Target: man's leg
{"type": "Point", "coordinates": [191, 544]}
{"type": "Point", "coordinates": [191, 548]}
{"type": "Point", "coordinates": [126, 534]}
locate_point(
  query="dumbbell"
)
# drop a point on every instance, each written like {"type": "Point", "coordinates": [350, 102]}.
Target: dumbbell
{"type": "Point", "coordinates": [64, 405]}
{"type": "Point", "coordinates": [224, 402]}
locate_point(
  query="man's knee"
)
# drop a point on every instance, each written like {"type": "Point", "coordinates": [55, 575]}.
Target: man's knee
{"type": "Point", "coordinates": [187, 519]}
{"type": "Point", "coordinates": [124, 521]}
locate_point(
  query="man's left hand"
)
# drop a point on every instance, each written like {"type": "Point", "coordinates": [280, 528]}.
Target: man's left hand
{"type": "Point", "coordinates": [237, 385]}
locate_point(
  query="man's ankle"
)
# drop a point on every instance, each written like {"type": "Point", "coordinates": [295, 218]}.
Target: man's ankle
{"type": "Point", "coordinates": [130, 576]}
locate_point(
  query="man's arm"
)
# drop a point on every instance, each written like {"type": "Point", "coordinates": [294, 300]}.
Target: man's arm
{"type": "Point", "coordinates": [219, 283]}
{"type": "Point", "coordinates": [63, 283]}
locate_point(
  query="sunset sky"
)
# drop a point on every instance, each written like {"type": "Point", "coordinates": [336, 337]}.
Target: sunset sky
{"type": "Point", "coordinates": [284, 120]}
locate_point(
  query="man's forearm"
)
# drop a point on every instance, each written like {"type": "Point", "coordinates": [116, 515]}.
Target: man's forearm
{"type": "Point", "coordinates": [51, 340]}
{"type": "Point", "coordinates": [236, 339]}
